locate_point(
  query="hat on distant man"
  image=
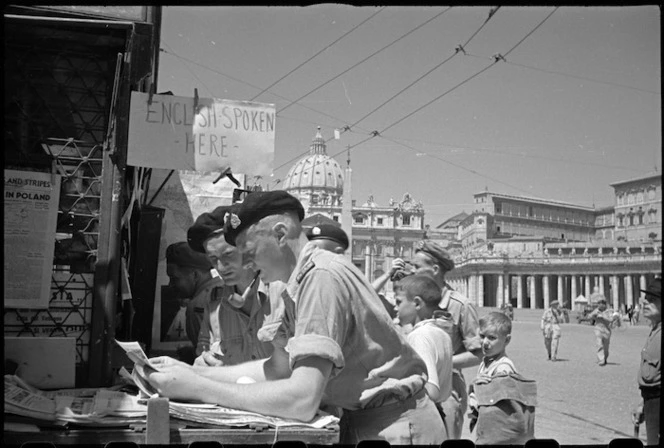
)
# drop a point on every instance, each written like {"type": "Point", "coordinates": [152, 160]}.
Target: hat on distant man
{"type": "Point", "coordinates": [440, 255]}
{"type": "Point", "coordinates": [654, 288]}
{"type": "Point", "coordinates": [328, 232]}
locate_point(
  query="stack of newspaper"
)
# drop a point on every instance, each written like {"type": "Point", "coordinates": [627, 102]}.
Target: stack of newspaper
{"type": "Point", "coordinates": [211, 414]}
{"type": "Point", "coordinates": [96, 407]}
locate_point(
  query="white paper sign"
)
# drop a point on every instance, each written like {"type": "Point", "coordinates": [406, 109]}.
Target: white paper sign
{"type": "Point", "coordinates": [31, 213]}
{"type": "Point", "coordinates": [169, 134]}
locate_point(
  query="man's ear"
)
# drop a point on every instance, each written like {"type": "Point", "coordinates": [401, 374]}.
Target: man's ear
{"type": "Point", "coordinates": [508, 338]}
{"type": "Point", "coordinates": [280, 229]}
{"type": "Point", "coordinates": [436, 268]}
{"type": "Point", "coordinates": [419, 303]}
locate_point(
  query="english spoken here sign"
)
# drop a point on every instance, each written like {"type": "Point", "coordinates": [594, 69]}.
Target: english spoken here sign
{"type": "Point", "coordinates": [170, 134]}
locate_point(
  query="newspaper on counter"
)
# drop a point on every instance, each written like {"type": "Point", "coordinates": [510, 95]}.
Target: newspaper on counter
{"type": "Point", "coordinates": [211, 414]}
{"type": "Point", "coordinates": [98, 407]}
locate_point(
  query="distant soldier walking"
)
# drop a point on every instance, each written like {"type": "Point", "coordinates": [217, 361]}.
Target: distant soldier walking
{"type": "Point", "coordinates": [550, 326]}
{"type": "Point", "coordinates": [604, 319]}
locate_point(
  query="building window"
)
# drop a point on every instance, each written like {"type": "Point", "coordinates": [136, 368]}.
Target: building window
{"type": "Point", "coordinates": [379, 221]}
{"type": "Point", "coordinates": [631, 220]}
{"type": "Point", "coordinates": [651, 193]}
{"type": "Point", "coordinates": [336, 218]}
{"type": "Point", "coordinates": [359, 220]}
{"type": "Point", "coordinates": [630, 198]}
{"type": "Point", "coordinates": [639, 197]}
{"type": "Point", "coordinates": [530, 211]}
{"type": "Point", "coordinates": [498, 208]}
{"type": "Point", "coordinates": [406, 220]}
{"type": "Point", "coordinates": [640, 218]}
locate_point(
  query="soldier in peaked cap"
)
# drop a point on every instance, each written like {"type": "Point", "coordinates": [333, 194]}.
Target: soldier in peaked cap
{"type": "Point", "coordinates": [650, 369]}
{"type": "Point", "coordinates": [329, 237]}
{"type": "Point", "coordinates": [234, 313]}
{"type": "Point", "coordinates": [190, 278]}
{"type": "Point", "coordinates": [342, 351]}
{"type": "Point", "coordinates": [433, 260]}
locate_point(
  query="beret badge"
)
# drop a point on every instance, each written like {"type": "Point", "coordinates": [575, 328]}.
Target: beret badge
{"type": "Point", "coordinates": [233, 220]}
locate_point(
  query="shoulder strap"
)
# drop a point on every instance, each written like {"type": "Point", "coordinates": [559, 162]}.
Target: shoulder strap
{"type": "Point", "coordinates": [445, 301]}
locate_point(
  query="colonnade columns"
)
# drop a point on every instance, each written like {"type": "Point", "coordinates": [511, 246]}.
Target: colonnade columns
{"type": "Point", "coordinates": [507, 295]}
{"type": "Point", "coordinates": [601, 285]}
{"type": "Point", "coordinates": [573, 289]}
{"type": "Point", "coordinates": [615, 285]}
{"type": "Point", "coordinates": [560, 289]}
{"type": "Point", "coordinates": [499, 291]}
{"type": "Point", "coordinates": [629, 292]}
{"type": "Point", "coordinates": [643, 286]}
{"type": "Point", "coordinates": [472, 288]}
{"type": "Point", "coordinates": [587, 287]}
{"type": "Point", "coordinates": [519, 291]}
{"type": "Point", "coordinates": [480, 290]}
{"type": "Point", "coordinates": [533, 292]}
{"type": "Point", "coordinates": [545, 290]}
{"type": "Point", "coordinates": [367, 261]}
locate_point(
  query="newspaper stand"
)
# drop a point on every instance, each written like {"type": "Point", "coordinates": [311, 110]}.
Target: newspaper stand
{"type": "Point", "coordinates": [69, 74]}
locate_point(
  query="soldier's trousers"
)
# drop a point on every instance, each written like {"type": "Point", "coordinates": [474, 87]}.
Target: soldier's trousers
{"type": "Point", "coordinates": [602, 340]}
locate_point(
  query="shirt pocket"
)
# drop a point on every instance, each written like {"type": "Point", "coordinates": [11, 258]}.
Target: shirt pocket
{"type": "Point", "coordinates": [233, 348]}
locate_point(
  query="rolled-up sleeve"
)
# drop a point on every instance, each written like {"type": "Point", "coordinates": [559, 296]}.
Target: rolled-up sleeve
{"type": "Point", "coordinates": [322, 320]}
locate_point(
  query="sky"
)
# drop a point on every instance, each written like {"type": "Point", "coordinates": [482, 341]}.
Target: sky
{"type": "Point", "coordinates": [546, 102]}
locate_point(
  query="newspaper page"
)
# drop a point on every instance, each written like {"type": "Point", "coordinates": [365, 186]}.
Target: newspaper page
{"type": "Point", "coordinates": [31, 213]}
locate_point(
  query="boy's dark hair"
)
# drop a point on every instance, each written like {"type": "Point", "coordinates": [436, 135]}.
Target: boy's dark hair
{"type": "Point", "coordinates": [422, 286]}
{"type": "Point", "coordinates": [500, 321]}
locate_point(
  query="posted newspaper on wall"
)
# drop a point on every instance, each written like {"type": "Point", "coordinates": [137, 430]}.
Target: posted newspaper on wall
{"type": "Point", "coordinates": [31, 213]}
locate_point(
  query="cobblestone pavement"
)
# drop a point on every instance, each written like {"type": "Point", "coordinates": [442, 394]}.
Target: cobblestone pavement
{"type": "Point", "coordinates": [579, 402]}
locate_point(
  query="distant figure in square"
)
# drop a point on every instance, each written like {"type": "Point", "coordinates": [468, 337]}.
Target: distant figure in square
{"type": "Point", "coordinates": [550, 326]}
{"type": "Point", "coordinates": [604, 320]}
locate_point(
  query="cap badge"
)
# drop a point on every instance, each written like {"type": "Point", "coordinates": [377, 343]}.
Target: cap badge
{"type": "Point", "coordinates": [232, 219]}
{"type": "Point", "coordinates": [316, 230]}
{"type": "Point", "coordinates": [235, 221]}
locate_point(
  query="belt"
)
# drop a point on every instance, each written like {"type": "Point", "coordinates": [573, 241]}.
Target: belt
{"type": "Point", "coordinates": [650, 392]}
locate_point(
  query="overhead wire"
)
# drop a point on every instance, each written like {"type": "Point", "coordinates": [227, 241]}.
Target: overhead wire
{"type": "Point", "coordinates": [496, 59]}
{"type": "Point", "coordinates": [318, 53]}
{"type": "Point", "coordinates": [366, 59]}
{"type": "Point", "coordinates": [349, 127]}
{"type": "Point", "coordinates": [569, 75]}
{"type": "Point", "coordinates": [172, 53]}
{"type": "Point", "coordinates": [533, 156]}
{"type": "Point", "coordinates": [437, 66]}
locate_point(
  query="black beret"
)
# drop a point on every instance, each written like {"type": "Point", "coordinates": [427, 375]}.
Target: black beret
{"type": "Point", "coordinates": [256, 206]}
{"type": "Point", "coordinates": [205, 226]}
{"type": "Point", "coordinates": [182, 255]}
{"type": "Point", "coordinates": [442, 257]}
{"type": "Point", "coordinates": [328, 232]}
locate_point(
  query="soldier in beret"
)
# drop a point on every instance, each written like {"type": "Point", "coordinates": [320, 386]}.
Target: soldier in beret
{"type": "Point", "coordinates": [190, 278]}
{"type": "Point", "coordinates": [433, 260]}
{"type": "Point", "coordinates": [650, 368]}
{"type": "Point", "coordinates": [236, 312]}
{"type": "Point", "coordinates": [342, 349]}
{"type": "Point", "coordinates": [329, 237]}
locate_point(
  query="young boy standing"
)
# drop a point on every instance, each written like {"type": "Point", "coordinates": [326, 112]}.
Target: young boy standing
{"type": "Point", "coordinates": [495, 334]}
{"type": "Point", "coordinates": [417, 298]}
